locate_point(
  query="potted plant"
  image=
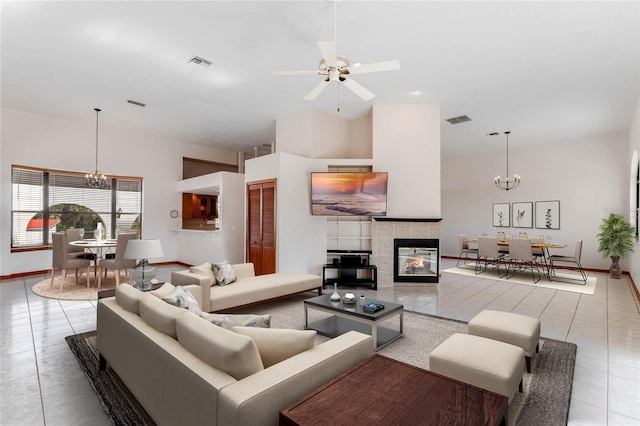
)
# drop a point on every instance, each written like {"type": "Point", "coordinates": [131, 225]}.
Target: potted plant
{"type": "Point", "coordinates": [616, 241]}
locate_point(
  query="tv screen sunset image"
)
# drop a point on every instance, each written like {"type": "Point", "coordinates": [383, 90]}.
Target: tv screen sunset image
{"type": "Point", "coordinates": [349, 194]}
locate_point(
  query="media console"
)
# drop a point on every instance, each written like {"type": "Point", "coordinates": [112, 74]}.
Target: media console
{"type": "Point", "coordinates": [350, 268]}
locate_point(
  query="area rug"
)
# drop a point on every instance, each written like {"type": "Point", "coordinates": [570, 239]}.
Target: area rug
{"type": "Point", "coordinates": [73, 291]}
{"type": "Point", "coordinates": [564, 279]}
{"type": "Point", "coordinates": [545, 400]}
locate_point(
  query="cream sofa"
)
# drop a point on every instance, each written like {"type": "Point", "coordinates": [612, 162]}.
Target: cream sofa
{"type": "Point", "coordinates": [247, 289]}
{"type": "Point", "coordinates": [166, 355]}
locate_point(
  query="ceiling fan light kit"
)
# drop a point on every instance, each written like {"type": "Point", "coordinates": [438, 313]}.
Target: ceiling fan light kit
{"type": "Point", "coordinates": [333, 67]}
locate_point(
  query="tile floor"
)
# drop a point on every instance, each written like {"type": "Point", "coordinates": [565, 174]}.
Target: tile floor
{"type": "Point", "coordinates": [41, 383]}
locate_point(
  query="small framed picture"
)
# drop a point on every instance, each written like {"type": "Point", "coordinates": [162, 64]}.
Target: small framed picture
{"type": "Point", "coordinates": [522, 215]}
{"type": "Point", "coordinates": [548, 214]}
{"type": "Point", "coordinates": [501, 215]}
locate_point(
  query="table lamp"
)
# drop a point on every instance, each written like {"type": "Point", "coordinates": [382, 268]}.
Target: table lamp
{"type": "Point", "coordinates": [143, 250]}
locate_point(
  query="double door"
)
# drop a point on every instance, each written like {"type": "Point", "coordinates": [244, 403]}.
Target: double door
{"type": "Point", "coordinates": [261, 226]}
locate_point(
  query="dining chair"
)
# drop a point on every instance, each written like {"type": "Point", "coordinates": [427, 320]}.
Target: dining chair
{"type": "Point", "coordinates": [521, 258]}
{"type": "Point", "coordinates": [118, 263]}
{"type": "Point", "coordinates": [73, 234]}
{"type": "Point", "coordinates": [63, 262]}
{"type": "Point", "coordinates": [488, 253]}
{"type": "Point", "coordinates": [575, 259]}
{"type": "Point", "coordinates": [522, 234]}
{"type": "Point", "coordinates": [465, 250]}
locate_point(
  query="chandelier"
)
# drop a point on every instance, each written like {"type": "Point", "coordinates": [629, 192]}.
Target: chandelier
{"type": "Point", "coordinates": [506, 184]}
{"type": "Point", "coordinates": [96, 179]}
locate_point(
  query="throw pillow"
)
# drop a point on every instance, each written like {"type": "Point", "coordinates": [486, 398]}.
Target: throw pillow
{"type": "Point", "coordinates": [276, 344]}
{"type": "Point", "coordinates": [183, 299]}
{"type": "Point", "coordinates": [230, 352]}
{"type": "Point", "coordinates": [229, 321]}
{"type": "Point", "coordinates": [223, 272]}
{"type": "Point", "coordinates": [204, 269]}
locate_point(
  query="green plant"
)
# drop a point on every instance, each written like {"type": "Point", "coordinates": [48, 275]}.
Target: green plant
{"type": "Point", "coordinates": [615, 237]}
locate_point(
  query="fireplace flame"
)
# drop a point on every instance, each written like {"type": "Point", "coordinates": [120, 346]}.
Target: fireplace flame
{"type": "Point", "coordinates": [415, 262]}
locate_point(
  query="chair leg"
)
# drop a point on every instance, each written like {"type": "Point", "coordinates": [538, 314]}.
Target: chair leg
{"type": "Point", "coordinates": [100, 279]}
{"type": "Point", "coordinates": [53, 270]}
{"type": "Point", "coordinates": [89, 276]}
{"type": "Point", "coordinates": [77, 276]}
{"type": "Point", "coordinates": [528, 362]}
{"type": "Point", "coordinates": [117, 272]}
{"type": "Point", "coordinates": [63, 276]}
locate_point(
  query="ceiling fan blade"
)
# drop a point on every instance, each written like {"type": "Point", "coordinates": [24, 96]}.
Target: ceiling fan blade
{"type": "Point", "coordinates": [316, 90]}
{"type": "Point", "coordinates": [328, 49]}
{"type": "Point", "coordinates": [391, 65]}
{"type": "Point", "coordinates": [296, 73]}
{"type": "Point", "coordinates": [358, 89]}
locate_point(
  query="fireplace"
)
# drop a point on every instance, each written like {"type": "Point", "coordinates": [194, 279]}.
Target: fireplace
{"type": "Point", "coordinates": [416, 260]}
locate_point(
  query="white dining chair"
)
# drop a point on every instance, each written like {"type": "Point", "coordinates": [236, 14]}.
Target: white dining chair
{"type": "Point", "coordinates": [575, 259]}
{"type": "Point", "coordinates": [465, 251]}
{"type": "Point", "coordinates": [488, 253]}
{"type": "Point", "coordinates": [521, 258]}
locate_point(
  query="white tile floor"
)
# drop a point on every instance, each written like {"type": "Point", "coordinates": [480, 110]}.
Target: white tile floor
{"type": "Point", "coordinates": [41, 383]}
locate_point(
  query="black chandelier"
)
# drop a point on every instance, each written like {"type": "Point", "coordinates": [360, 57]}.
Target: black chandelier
{"type": "Point", "coordinates": [95, 179]}
{"type": "Point", "coordinates": [506, 184]}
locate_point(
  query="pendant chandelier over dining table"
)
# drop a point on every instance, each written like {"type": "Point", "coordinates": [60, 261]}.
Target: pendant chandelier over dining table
{"type": "Point", "coordinates": [96, 179]}
{"type": "Point", "coordinates": [506, 184]}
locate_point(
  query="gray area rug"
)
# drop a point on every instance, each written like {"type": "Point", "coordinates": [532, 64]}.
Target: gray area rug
{"type": "Point", "coordinates": [545, 400]}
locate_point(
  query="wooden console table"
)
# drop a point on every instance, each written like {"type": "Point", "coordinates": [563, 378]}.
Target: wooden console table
{"type": "Point", "coordinates": [383, 391]}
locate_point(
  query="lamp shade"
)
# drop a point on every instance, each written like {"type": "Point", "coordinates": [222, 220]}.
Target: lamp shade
{"type": "Point", "coordinates": [143, 249]}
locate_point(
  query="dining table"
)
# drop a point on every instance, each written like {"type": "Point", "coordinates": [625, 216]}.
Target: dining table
{"type": "Point", "coordinates": [95, 246]}
{"type": "Point", "coordinates": [544, 246]}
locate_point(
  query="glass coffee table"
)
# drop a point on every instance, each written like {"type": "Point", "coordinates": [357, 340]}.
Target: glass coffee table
{"type": "Point", "coordinates": [348, 317]}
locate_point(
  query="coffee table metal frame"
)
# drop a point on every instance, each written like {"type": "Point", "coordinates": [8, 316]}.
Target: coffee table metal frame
{"type": "Point", "coordinates": [351, 317]}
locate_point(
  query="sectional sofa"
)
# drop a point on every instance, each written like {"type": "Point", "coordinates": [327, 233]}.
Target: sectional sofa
{"type": "Point", "coordinates": [185, 370]}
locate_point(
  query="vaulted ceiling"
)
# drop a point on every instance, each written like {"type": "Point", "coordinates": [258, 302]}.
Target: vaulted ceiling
{"type": "Point", "coordinates": [544, 70]}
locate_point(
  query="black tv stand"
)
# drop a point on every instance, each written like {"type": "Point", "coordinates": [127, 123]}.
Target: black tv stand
{"type": "Point", "coordinates": [350, 265]}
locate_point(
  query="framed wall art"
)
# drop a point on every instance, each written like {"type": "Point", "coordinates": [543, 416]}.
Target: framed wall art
{"type": "Point", "coordinates": [522, 215]}
{"type": "Point", "coordinates": [501, 215]}
{"type": "Point", "coordinates": [548, 214]}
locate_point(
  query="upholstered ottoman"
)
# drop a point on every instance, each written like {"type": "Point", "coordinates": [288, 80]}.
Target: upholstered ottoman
{"type": "Point", "coordinates": [488, 364]}
{"type": "Point", "coordinates": [507, 327]}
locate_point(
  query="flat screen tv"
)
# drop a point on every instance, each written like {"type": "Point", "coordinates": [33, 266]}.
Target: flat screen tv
{"type": "Point", "coordinates": [348, 194]}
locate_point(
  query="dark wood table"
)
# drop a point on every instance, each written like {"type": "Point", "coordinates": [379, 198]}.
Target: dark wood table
{"type": "Point", "coordinates": [383, 391]}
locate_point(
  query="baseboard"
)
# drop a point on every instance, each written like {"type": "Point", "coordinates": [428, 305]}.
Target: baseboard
{"type": "Point", "coordinates": [48, 271]}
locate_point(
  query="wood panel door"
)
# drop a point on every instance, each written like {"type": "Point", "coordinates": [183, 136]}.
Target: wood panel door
{"type": "Point", "coordinates": [261, 226]}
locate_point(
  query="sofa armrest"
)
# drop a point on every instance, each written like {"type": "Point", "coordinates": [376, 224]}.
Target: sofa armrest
{"type": "Point", "coordinates": [189, 278]}
{"type": "Point", "coordinates": [259, 398]}
{"type": "Point", "coordinates": [244, 270]}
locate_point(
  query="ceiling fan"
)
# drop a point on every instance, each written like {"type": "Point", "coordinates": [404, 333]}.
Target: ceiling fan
{"type": "Point", "coordinates": [334, 67]}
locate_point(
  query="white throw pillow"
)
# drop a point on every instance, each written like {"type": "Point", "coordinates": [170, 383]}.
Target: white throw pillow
{"type": "Point", "coordinates": [223, 272]}
{"type": "Point", "coordinates": [183, 299]}
{"type": "Point", "coordinates": [229, 321]}
{"type": "Point", "coordinates": [277, 344]}
{"type": "Point", "coordinates": [204, 269]}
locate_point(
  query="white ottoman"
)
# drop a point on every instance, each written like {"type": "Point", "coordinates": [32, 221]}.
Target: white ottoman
{"type": "Point", "coordinates": [488, 364]}
{"type": "Point", "coordinates": [507, 327]}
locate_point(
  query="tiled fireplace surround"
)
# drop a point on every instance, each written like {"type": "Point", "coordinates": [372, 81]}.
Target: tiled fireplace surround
{"type": "Point", "coordinates": [382, 235]}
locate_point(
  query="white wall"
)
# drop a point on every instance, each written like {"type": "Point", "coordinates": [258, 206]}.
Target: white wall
{"type": "Point", "coordinates": [633, 261]}
{"type": "Point", "coordinates": [39, 141]}
{"type": "Point", "coordinates": [317, 134]}
{"type": "Point", "coordinates": [586, 175]}
{"type": "Point", "coordinates": [406, 143]}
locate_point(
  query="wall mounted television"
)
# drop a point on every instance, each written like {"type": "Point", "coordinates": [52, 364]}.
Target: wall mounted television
{"type": "Point", "coordinates": [348, 194]}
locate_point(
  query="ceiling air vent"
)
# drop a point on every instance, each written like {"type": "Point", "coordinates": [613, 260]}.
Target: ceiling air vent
{"type": "Point", "coordinates": [199, 61]}
{"type": "Point", "coordinates": [458, 120]}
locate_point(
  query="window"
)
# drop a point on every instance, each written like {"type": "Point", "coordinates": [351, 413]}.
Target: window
{"type": "Point", "coordinates": [47, 201]}
{"type": "Point", "coordinates": [637, 213]}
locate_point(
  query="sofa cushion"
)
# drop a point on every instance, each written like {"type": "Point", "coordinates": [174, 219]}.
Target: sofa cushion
{"type": "Point", "coordinates": [233, 353]}
{"type": "Point", "coordinates": [277, 344]}
{"type": "Point", "coordinates": [204, 269]}
{"type": "Point", "coordinates": [223, 272]}
{"type": "Point", "coordinates": [159, 315]}
{"type": "Point", "coordinates": [183, 299]}
{"type": "Point", "coordinates": [129, 298]}
{"type": "Point", "coordinates": [229, 321]}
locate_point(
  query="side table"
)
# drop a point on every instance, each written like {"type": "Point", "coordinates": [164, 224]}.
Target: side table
{"type": "Point", "coordinates": [112, 291]}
